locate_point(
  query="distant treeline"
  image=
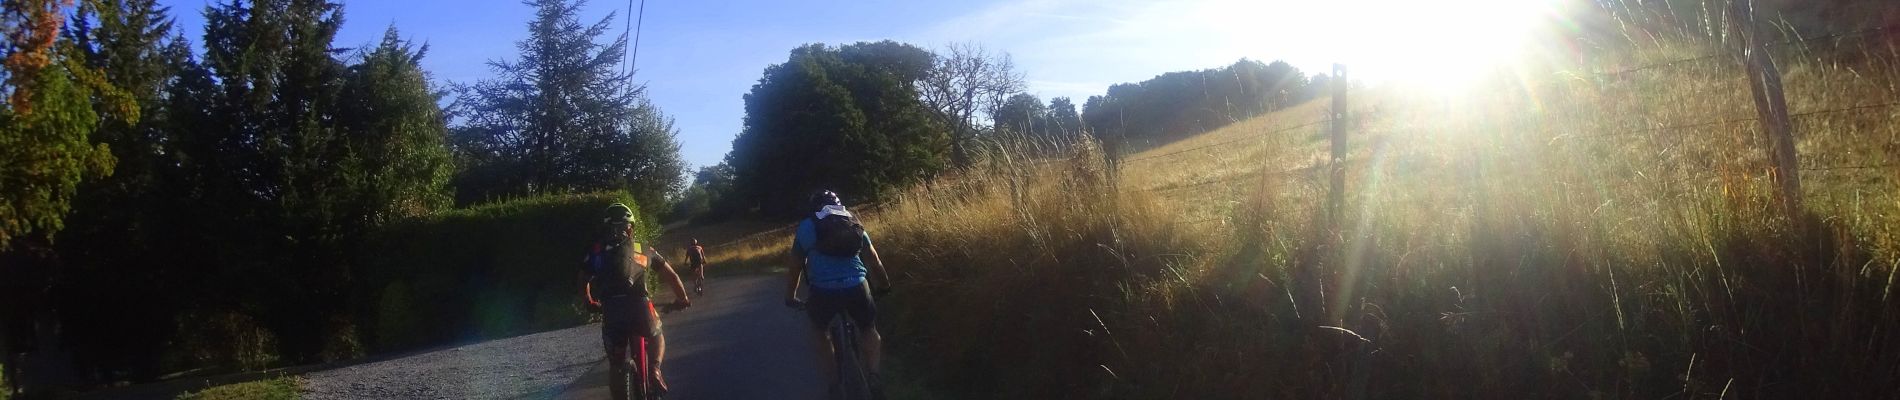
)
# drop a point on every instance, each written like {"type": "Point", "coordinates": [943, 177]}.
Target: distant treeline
{"type": "Point", "coordinates": [867, 118]}
{"type": "Point", "coordinates": [168, 209]}
{"type": "Point", "coordinates": [1180, 104]}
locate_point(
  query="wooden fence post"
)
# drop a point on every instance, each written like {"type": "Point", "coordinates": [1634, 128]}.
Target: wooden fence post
{"type": "Point", "coordinates": [1336, 193]}
{"type": "Point", "coordinates": [1764, 80]}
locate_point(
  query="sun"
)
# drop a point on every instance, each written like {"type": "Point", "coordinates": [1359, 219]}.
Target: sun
{"type": "Point", "coordinates": [1441, 45]}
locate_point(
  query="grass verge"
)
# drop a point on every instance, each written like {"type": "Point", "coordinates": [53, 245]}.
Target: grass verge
{"type": "Point", "coordinates": [281, 388]}
{"type": "Point", "coordinates": [1525, 238]}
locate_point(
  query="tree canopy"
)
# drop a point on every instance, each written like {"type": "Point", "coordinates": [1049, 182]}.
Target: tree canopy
{"type": "Point", "coordinates": [843, 118]}
{"type": "Point", "coordinates": [1177, 104]}
{"type": "Point", "coordinates": [47, 121]}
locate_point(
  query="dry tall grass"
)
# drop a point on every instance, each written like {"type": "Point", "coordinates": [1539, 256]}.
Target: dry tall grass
{"type": "Point", "coordinates": [1537, 237]}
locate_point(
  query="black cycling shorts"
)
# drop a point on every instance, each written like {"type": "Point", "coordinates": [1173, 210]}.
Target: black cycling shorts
{"type": "Point", "coordinates": [627, 316]}
{"type": "Point", "coordinates": [854, 301]}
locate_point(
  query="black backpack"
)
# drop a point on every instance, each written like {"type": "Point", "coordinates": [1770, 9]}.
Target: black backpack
{"type": "Point", "coordinates": [839, 236]}
{"type": "Point", "coordinates": [615, 272]}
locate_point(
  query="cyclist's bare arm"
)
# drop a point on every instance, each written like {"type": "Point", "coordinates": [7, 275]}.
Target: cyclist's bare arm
{"type": "Point", "coordinates": [876, 264]}
{"type": "Point", "coordinates": [794, 274]}
{"type": "Point", "coordinates": [672, 278]}
{"type": "Point", "coordinates": [586, 284]}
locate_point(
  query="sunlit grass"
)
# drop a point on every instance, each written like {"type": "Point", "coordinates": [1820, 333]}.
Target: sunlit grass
{"type": "Point", "coordinates": [762, 252]}
{"type": "Point", "coordinates": [1560, 232]}
{"type": "Point", "coordinates": [281, 388]}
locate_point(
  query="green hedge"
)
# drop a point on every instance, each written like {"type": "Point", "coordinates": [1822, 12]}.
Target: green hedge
{"type": "Point", "coordinates": [488, 271]}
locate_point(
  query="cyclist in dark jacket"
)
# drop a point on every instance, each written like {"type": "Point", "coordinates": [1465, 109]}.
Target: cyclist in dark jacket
{"type": "Point", "coordinates": [613, 280]}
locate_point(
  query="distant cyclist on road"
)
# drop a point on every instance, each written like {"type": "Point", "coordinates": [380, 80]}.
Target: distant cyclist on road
{"type": "Point", "coordinates": [614, 282]}
{"type": "Point", "coordinates": [830, 249]}
{"type": "Point", "coordinates": [696, 261]}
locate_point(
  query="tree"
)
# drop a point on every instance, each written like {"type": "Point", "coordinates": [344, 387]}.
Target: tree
{"type": "Point", "coordinates": [650, 162]}
{"type": "Point", "coordinates": [47, 123]}
{"type": "Point", "coordinates": [123, 239]}
{"type": "Point", "coordinates": [1178, 104]}
{"type": "Point", "coordinates": [47, 150]}
{"type": "Point", "coordinates": [1063, 120]}
{"type": "Point", "coordinates": [132, 48]}
{"type": "Point", "coordinates": [846, 119]}
{"type": "Point", "coordinates": [711, 186]}
{"type": "Point", "coordinates": [396, 134]}
{"type": "Point", "coordinates": [963, 82]}
{"type": "Point", "coordinates": [563, 118]}
{"type": "Point", "coordinates": [1022, 114]}
{"type": "Point", "coordinates": [281, 176]}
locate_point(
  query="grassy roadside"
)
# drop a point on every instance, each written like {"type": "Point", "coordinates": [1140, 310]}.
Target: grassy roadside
{"type": "Point", "coordinates": [1519, 239]}
{"type": "Point", "coordinates": [280, 388]}
{"type": "Point", "coordinates": [757, 252]}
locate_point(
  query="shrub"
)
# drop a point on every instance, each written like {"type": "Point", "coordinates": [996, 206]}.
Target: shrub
{"type": "Point", "coordinates": [220, 338]}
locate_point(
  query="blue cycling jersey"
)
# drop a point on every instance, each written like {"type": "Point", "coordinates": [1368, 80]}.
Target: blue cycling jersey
{"type": "Point", "coordinates": [827, 271]}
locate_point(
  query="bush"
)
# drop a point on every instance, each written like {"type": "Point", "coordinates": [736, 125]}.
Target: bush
{"type": "Point", "coordinates": [220, 338]}
{"type": "Point", "coordinates": [341, 340]}
{"type": "Point", "coordinates": [492, 270]}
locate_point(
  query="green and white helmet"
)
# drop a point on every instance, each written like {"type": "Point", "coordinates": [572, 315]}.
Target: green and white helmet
{"type": "Point", "coordinates": [617, 213]}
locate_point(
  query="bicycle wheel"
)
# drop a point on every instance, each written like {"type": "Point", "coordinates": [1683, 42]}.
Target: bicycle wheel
{"type": "Point", "coordinates": [852, 380]}
{"type": "Point", "coordinates": [624, 381]}
{"type": "Point", "coordinates": [642, 374]}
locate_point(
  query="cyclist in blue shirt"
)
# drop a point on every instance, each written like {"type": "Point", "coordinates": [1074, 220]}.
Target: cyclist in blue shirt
{"type": "Point", "coordinates": [838, 282]}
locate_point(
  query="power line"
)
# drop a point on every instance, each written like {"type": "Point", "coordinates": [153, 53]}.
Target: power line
{"type": "Point", "coordinates": [630, 57]}
{"type": "Point", "coordinates": [640, 22]}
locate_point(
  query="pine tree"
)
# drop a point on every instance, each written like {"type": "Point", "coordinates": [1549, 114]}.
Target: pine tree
{"type": "Point", "coordinates": [395, 134]}
{"type": "Point", "coordinates": [124, 234]}
{"type": "Point", "coordinates": [281, 194]}
{"type": "Point", "coordinates": [563, 118]}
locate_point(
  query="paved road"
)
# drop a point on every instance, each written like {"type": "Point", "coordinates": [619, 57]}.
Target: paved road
{"type": "Point", "coordinates": [737, 342]}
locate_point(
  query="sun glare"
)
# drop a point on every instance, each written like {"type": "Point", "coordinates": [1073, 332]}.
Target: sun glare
{"type": "Point", "coordinates": [1443, 45]}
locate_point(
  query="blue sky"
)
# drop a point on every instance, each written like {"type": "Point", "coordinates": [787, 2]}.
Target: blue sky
{"type": "Point", "coordinates": [699, 57]}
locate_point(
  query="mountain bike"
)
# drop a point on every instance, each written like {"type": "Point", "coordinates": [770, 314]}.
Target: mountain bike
{"type": "Point", "coordinates": [853, 381]}
{"type": "Point", "coordinates": [699, 279]}
{"type": "Point", "coordinates": [637, 380]}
